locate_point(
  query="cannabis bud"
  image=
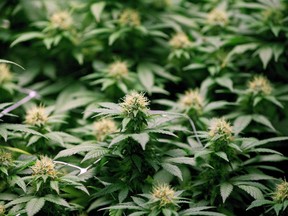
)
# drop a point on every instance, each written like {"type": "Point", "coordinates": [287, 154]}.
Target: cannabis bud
{"type": "Point", "coordinates": [129, 17]}
{"type": "Point", "coordinates": [103, 128]}
{"type": "Point", "coordinates": [220, 129]}
{"type": "Point", "coordinates": [281, 193]}
{"type": "Point", "coordinates": [192, 99]}
{"type": "Point", "coordinates": [36, 116]}
{"type": "Point", "coordinates": [133, 103]}
{"type": "Point", "coordinates": [180, 41]}
{"type": "Point", "coordinates": [5, 158]}
{"type": "Point", "coordinates": [5, 74]}
{"type": "Point", "coordinates": [164, 193]}
{"type": "Point", "coordinates": [118, 69]}
{"type": "Point", "coordinates": [61, 20]}
{"type": "Point", "coordinates": [44, 166]}
{"type": "Point", "coordinates": [217, 17]}
{"type": "Point", "coordinates": [2, 210]}
{"type": "Point", "coordinates": [260, 85]}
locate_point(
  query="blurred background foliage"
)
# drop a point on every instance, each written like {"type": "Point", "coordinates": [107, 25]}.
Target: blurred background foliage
{"type": "Point", "coordinates": [202, 59]}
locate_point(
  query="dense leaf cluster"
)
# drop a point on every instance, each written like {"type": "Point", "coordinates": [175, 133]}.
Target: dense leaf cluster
{"type": "Point", "coordinates": [143, 107]}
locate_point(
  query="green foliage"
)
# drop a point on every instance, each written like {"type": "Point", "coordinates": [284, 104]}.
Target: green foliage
{"type": "Point", "coordinates": [143, 107]}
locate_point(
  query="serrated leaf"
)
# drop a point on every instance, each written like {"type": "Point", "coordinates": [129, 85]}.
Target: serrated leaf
{"type": "Point", "coordinates": [255, 192]}
{"type": "Point", "coordinates": [258, 203]}
{"type": "Point", "coordinates": [174, 170]}
{"type": "Point", "coordinates": [123, 195]}
{"type": "Point", "coordinates": [56, 200]}
{"type": "Point", "coordinates": [263, 120]}
{"type": "Point", "coordinates": [19, 200]}
{"type": "Point", "coordinates": [19, 181]}
{"type": "Point", "coordinates": [34, 206]}
{"type": "Point", "coordinates": [241, 123]}
{"type": "Point", "coordinates": [118, 139]}
{"type": "Point", "coordinates": [222, 155]}
{"type": "Point", "coordinates": [265, 54]}
{"type": "Point", "coordinates": [142, 139]}
{"type": "Point", "coordinates": [75, 150]}
{"type": "Point", "coordinates": [225, 190]}
{"type": "Point", "coordinates": [55, 186]}
{"type": "Point", "coordinates": [97, 9]}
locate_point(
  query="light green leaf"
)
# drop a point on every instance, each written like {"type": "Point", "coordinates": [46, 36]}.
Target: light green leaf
{"type": "Point", "coordinates": [258, 203]}
{"type": "Point", "coordinates": [57, 200]}
{"type": "Point", "coordinates": [26, 37]}
{"type": "Point", "coordinates": [263, 120]}
{"type": "Point", "coordinates": [97, 9]}
{"type": "Point", "coordinates": [10, 62]}
{"type": "Point", "coordinates": [255, 192]}
{"type": "Point", "coordinates": [55, 186]}
{"type": "Point", "coordinates": [241, 123]}
{"type": "Point", "coordinates": [142, 139]}
{"type": "Point", "coordinates": [174, 170]}
{"type": "Point", "coordinates": [146, 77]}
{"type": "Point", "coordinates": [225, 82]}
{"type": "Point", "coordinates": [225, 190]}
{"type": "Point", "coordinates": [34, 206]}
{"type": "Point", "coordinates": [265, 54]}
{"type": "Point", "coordinates": [222, 155]}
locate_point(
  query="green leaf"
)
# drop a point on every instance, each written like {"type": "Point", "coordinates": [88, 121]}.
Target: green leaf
{"type": "Point", "coordinates": [277, 51]}
{"type": "Point", "coordinates": [123, 195]}
{"type": "Point", "coordinates": [258, 203]}
{"type": "Point", "coordinates": [146, 77]}
{"type": "Point", "coordinates": [57, 200]}
{"type": "Point", "coordinates": [215, 105]}
{"type": "Point", "coordinates": [172, 169]}
{"type": "Point", "coordinates": [225, 190]}
{"type": "Point", "coordinates": [255, 192]}
{"type": "Point", "coordinates": [222, 155]}
{"type": "Point", "coordinates": [142, 139]}
{"type": "Point", "coordinates": [225, 82]}
{"type": "Point", "coordinates": [34, 206]}
{"type": "Point", "coordinates": [19, 200]}
{"type": "Point", "coordinates": [26, 37]}
{"type": "Point", "coordinates": [241, 123]}
{"type": "Point", "coordinates": [265, 54]}
{"type": "Point", "coordinates": [118, 139]}
{"type": "Point", "coordinates": [55, 186]}
{"type": "Point", "coordinates": [181, 160]}
{"type": "Point", "coordinates": [257, 143]}
{"type": "Point", "coordinates": [114, 36]}
{"type": "Point", "coordinates": [19, 181]}
{"type": "Point", "coordinates": [10, 62]}
{"type": "Point", "coordinates": [76, 149]}
{"type": "Point", "coordinates": [263, 120]}
{"type": "Point", "coordinates": [97, 9]}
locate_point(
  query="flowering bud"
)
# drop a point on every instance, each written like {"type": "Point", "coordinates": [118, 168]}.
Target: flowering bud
{"type": "Point", "coordinates": [218, 17]}
{"type": "Point", "coordinates": [192, 99]}
{"type": "Point", "coordinates": [180, 41]}
{"type": "Point", "coordinates": [133, 103]}
{"type": "Point", "coordinates": [281, 193]}
{"type": "Point", "coordinates": [36, 116]}
{"type": "Point", "coordinates": [61, 20]}
{"type": "Point", "coordinates": [5, 158]}
{"type": "Point", "coordinates": [5, 74]}
{"type": "Point", "coordinates": [260, 84]}
{"type": "Point", "coordinates": [2, 210]}
{"type": "Point", "coordinates": [103, 128]}
{"type": "Point", "coordinates": [118, 69]}
{"type": "Point", "coordinates": [164, 193]}
{"type": "Point", "coordinates": [44, 166]}
{"type": "Point", "coordinates": [129, 17]}
{"type": "Point", "coordinates": [220, 128]}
